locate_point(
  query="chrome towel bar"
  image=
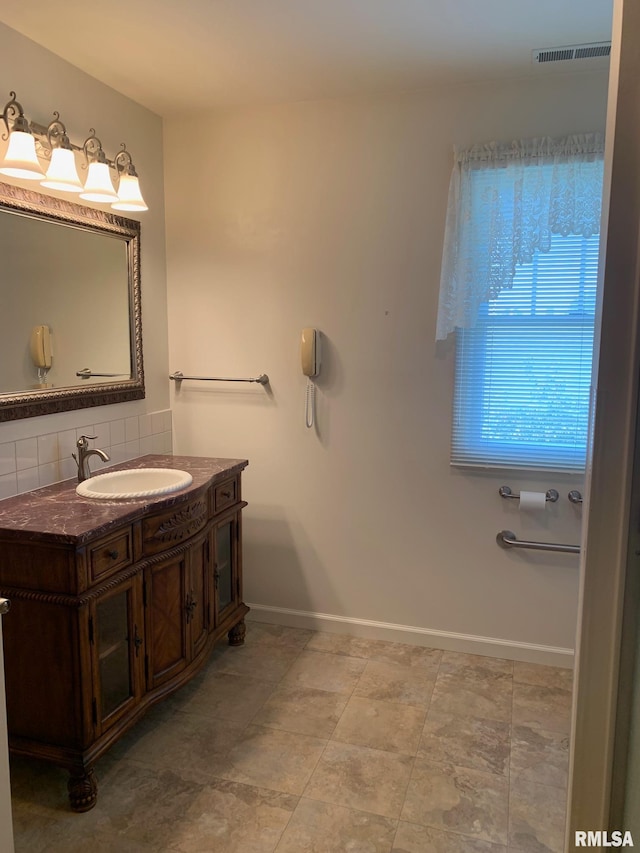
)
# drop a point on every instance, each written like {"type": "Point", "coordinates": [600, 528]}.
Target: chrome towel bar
{"type": "Point", "coordinates": [507, 539]}
{"type": "Point", "coordinates": [178, 376]}
{"type": "Point", "coordinates": [87, 373]}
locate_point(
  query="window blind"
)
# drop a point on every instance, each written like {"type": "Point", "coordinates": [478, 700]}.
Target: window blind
{"type": "Point", "coordinates": [523, 373]}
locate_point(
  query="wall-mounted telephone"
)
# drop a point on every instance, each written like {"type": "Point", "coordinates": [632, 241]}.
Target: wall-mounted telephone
{"type": "Point", "coordinates": [310, 352]}
{"type": "Point", "coordinates": [40, 346]}
{"type": "Point", "coordinates": [310, 358]}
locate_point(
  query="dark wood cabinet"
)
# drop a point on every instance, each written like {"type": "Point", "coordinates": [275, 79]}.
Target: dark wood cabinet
{"type": "Point", "coordinates": [107, 619]}
{"type": "Point", "coordinates": [225, 574]}
{"type": "Point", "coordinates": [198, 593]}
{"type": "Point", "coordinates": [116, 625]}
{"type": "Point", "coordinates": [166, 623]}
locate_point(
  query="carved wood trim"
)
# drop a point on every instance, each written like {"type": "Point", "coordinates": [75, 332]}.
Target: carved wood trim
{"type": "Point", "coordinates": [83, 791]}
{"type": "Point", "coordinates": [78, 601]}
{"type": "Point", "coordinates": [183, 523]}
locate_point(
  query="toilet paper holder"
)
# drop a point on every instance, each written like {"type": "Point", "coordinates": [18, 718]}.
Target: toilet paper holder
{"type": "Point", "coordinates": [505, 492]}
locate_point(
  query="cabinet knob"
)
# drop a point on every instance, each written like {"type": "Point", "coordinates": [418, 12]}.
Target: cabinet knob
{"type": "Point", "coordinates": [226, 494]}
{"type": "Point", "coordinates": [113, 554]}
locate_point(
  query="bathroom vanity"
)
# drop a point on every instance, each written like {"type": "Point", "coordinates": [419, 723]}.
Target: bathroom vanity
{"type": "Point", "coordinates": [114, 605]}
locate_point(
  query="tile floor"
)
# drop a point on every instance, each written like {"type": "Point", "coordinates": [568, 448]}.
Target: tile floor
{"type": "Point", "coordinates": [303, 742]}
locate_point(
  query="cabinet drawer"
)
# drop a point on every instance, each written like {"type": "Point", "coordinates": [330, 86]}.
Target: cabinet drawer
{"type": "Point", "coordinates": [111, 554]}
{"type": "Point", "coordinates": [174, 525]}
{"type": "Point", "coordinates": [225, 494]}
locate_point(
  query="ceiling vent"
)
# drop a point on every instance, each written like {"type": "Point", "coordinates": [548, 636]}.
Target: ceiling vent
{"type": "Point", "coordinates": [594, 50]}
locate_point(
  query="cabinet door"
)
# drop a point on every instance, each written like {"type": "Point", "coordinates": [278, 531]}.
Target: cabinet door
{"type": "Point", "coordinates": [116, 640]}
{"type": "Point", "coordinates": [225, 570]}
{"type": "Point", "coordinates": [197, 610]}
{"type": "Point", "coordinates": [165, 619]}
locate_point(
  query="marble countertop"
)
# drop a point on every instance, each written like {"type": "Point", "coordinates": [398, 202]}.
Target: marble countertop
{"type": "Point", "coordinates": [57, 513]}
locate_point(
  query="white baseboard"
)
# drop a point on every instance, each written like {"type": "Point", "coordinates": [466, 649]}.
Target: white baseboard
{"type": "Point", "coordinates": [510, 649]}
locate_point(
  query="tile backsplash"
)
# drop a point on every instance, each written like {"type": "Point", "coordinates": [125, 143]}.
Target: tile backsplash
{"type": "Point", "coordinates": [44, 459]}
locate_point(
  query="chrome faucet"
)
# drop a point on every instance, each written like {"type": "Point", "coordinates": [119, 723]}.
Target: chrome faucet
{"type": "Point", "coordinates": [82, 459]}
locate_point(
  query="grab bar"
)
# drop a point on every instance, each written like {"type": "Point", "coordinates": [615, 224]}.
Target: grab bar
{"type": "Point", "coordinates": [507, 539]}
{"type": "Point", "coordinates": [178, 376]}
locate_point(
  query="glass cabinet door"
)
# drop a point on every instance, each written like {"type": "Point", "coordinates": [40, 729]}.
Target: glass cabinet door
{"type": "Point", "coordinates": [225, 566]}
{"type": "Point", "coordinates": [198, 593]}
{"type": "Point", "coordinates": [116, 631]}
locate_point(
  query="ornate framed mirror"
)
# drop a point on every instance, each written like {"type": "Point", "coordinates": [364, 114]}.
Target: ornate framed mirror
{"type": "Point", "coordinates": [70, 318]}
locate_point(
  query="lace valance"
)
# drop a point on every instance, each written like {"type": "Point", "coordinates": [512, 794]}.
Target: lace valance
{"type": "Point", "coordinates": [505, 202]}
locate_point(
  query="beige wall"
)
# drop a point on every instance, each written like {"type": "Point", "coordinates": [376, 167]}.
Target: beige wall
{"type": "Point", "coordinates": [331, 214]}
{"type": "Point", "coordinates": [44, 83]}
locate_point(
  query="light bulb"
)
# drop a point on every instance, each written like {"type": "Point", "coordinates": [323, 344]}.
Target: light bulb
{"type": "Point", "coordinates": [62, 173]}
{"type": "Point", "coordinates": [20, 160]}
{"type": "Point", "coordinates": [129, 195]}
{"type": "Point", "coordinates": [98, 186]}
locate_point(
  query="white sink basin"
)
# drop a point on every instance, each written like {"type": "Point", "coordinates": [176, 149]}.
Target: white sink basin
{"type": "Point", "coordinates": [135, 483]}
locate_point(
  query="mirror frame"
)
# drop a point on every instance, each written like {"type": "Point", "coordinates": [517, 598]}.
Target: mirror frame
{"type": "Point", "coordinates": [28, 404]}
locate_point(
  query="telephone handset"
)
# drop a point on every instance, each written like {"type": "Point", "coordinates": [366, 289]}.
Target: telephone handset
{"type": "Point", "coordinates": [40, 346]}
{"type": "Point", "coordinates": [310, 358]}
{"type": "Point", "coordinates": [310, 352]}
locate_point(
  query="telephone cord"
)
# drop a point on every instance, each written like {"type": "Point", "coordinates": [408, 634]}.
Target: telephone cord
{"type": "Point", "coordinates": [310, 403]}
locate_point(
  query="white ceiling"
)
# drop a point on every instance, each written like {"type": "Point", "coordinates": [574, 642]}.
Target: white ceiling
{"type": "Point", "coordinates": [180, 55]}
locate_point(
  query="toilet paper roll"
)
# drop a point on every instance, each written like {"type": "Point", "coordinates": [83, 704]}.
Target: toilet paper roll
{"type": "Point", "coordinates": [532, 501]}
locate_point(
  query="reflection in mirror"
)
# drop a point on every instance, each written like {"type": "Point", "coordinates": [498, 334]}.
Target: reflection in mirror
{"type": "Point", "coordinates": [70, 329]}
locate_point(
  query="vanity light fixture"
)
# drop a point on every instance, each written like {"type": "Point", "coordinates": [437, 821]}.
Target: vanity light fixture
{"type": "Point", "coordinates": [62, 173]}
{"type": "Point", "coordinates": [129, 195]}
{"type": "Point", "coordinates": [29, 141]}
{"type": "Point", "coordinates": [20, 160]}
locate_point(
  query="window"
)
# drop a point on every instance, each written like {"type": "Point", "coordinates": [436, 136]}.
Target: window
{"type": "Point", "coordinates": [518, 286]}
{"type": "Point", "coordinates": [523, 373]}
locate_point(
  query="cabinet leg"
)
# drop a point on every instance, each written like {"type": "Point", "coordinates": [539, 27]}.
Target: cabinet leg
{"type": "Point", "coordinates": [83, 790]}
{"type": "Point", "coordinates": [236, 634]}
